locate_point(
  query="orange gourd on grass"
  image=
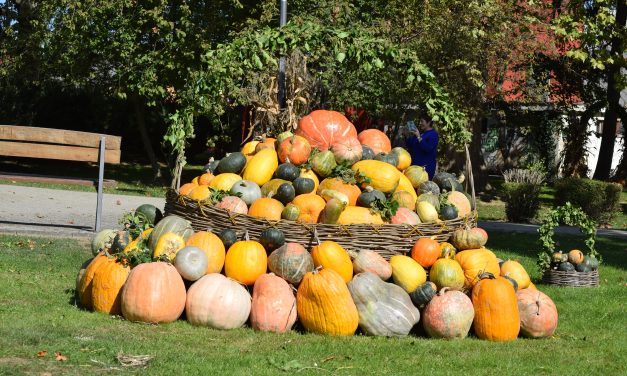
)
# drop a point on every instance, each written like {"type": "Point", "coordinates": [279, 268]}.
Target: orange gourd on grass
{"type": "Point", "coordinates": [496, 309]}
{"type": "Point", "coordinates": [106, 292]}
{"type": "Point", "coordinates": [86, 283]}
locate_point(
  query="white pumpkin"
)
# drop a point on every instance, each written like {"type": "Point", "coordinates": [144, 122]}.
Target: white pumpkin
{"type": "Point", "coordinates": [191, 263]}
{"type": "Point", "coordinates": [249, 191]}
{"type": "Point", "coordinates": [217, 302]}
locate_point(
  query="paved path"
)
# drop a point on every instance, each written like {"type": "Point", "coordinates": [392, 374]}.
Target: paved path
{"type": "Point", "coordinates": [52, 212]}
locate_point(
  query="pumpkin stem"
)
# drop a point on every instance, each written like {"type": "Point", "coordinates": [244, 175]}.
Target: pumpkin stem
{"type": "Point", "coordinates": [485, 275]}
{"type": "Point", "coordinates": [316, 239]}
{"type": "Point", "coordinates": [353, 254]}
{"type": "Point", "coordinates": [443, 290]}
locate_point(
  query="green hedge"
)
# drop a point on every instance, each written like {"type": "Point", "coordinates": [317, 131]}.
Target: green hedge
{"type": "Point", "coordinates": [599, 200]}
{"type": "Point", "coordinates": [522, 201]}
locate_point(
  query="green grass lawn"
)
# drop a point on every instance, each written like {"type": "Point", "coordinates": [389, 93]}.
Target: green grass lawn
{"type": "Point", "coordinates": [37, 312]}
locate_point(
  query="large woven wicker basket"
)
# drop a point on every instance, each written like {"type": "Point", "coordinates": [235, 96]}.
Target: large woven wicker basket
{"type": "Point", "coordinates": [572, 279]}
{"type": "Point", "coordinates": [387, 239]}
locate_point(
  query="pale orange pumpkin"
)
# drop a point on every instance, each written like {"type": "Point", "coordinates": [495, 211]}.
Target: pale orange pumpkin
{"type": "Point", "coordinates": [212, 246]}
{"type": "Point", "coordinates": [267, 208]}
{"type": "Point", "coordinates": [332, 255]}
{"type": "Point", "coordinates": [245, 261]}
{"type": "Point", "coordinates": [376, 140]}
{"type": "Point", "coordinates": [273, 306]}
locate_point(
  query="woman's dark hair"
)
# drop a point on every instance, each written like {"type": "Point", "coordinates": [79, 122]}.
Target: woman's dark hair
{"type": "Point", "coordinates": [427, 118]}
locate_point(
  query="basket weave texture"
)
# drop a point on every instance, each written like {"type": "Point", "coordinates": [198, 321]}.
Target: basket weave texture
{"type": "Point", "coordinates": [572, 279]}
{"type": "Point", "coordinates": [387, 239]}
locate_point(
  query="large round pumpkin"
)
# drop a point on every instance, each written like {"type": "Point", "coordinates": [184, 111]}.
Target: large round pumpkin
{"type": "Point", "coordinates": [217, 302]}
{"type": "Point", "coordinates": [107, 285]}
{"type": "Point", "coordinates": [325, 305]}
{"type": "Point", "coordinates": [332, 255]}
{"type": "Point", "coordinates": [323, 128]}
{"type": "Point", "coordinates": [376, 140]}
{"type": "Point", "coordinates": [154, 293]}
{"type": "Point", "coordinates": [538, 314]}
{"type": "Point", "coordinates": [261, 167]}
{"type": "Point", "coordinates": [425, 251]}
{"type": "Point", "coordinates": [274, 305]}
{"type": "Point", "coordinates": [213, 247]}
{"type": "Point", "coordinates": [86, 283]}
{"type": "Point", "coordinates": [291, 261]}
{"type": "Point", "coordinates": [496, 309]}
{"type": "Point", "coordinates": [449, 315]}
{"type": "Point", "coordinates": [267, 208]}
{"type": "Point", "coordinates": [245, 261]}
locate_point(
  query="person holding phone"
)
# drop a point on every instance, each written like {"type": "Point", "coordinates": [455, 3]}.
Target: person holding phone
{"type": "Point", "coordinates": [422, 144]}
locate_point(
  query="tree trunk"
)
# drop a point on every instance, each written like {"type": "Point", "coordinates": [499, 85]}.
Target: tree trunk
{"type": "Point", "coordinates": [479, 169]}
{"type": "Point", "coordinates": [606, 152]}
{"type": "Point", "coordinates": [575, 145]}
{"type": "Point", "coordinates": [141, 126]}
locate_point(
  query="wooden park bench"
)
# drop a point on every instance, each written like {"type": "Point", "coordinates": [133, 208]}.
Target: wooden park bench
{"type": "Point", "coordinates": [46, 143]}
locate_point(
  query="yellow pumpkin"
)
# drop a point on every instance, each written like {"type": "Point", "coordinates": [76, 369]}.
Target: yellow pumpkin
{"type": "Point", "coordinates": [407, 273]}
{"type": "Point", "coordinates": [514, 270]}
{"type": "Point", "coordinates": [249, 148]}
{"type": "Point", "coordinates": [169, 244]}
{"type": "Point", "coordinates": [330, 254]}
{"type": "Point", "coordinates": [212, 246]}
{"type": "Point", "coordinates": [383, 176]}
{"type": "Point", "coordinates": [200, 193]}
{"type": "Point", "coordinates": [404, 184]}
{"type": "Point", "coordinates": [261, 166]}
{"type": "Point", "coordinates": [357, 214]}
{"type": "Point", "coordinates": [476, 261]}
{"type": "Point", "coordinates": [225, 181]}
{"type": "Point", "coordinates": [246, 260]}
{"type": "Point", "coordinates": [324, 304]}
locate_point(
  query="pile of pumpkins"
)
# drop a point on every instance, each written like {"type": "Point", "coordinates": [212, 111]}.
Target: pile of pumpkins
{"type": "Point", "coordinates": [223, 281]}
{"type": "Point", "coordinates": [325, 172]}
{"type": "Point", "coordinates": [573, 260]}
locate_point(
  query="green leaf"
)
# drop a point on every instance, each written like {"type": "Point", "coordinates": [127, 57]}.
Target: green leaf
{"type": "Point", "coordinates": [340, 56]}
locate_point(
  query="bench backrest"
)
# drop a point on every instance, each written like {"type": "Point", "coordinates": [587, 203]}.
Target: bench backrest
{"type": "Point", "coordinates": [47, 143]}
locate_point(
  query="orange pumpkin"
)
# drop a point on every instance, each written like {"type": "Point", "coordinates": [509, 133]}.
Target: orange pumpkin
{"type": "Point", "coordinates": [205, 178]}
{"type": "Point", "coordinates": [330, 254]}
{"type": "Point", "coordinates": [245, 261]}
{"type": "Point", "coordinates": [359, 215]}
{"type": "Point", "coordinates": [322, 128]}
{"type": "Point", "coordinates": [154, 292]}
{"type": "Point", "coordinates": [351, 191]}
{"type": "Point", "coordinates": [107, 286]}
{"type": "Point", "coordinates": [496, 309]}
{"type": "Point", "coordinates": [426, 251]}
{"type": "Point", "coordinates": [476, 261]}
{"type": "Point", "coordinates": [213, 248]}
{"type": "Point", "coordinates": [296, 149]}
{"type": "Point", "coordinates": [274, 305]}
{"type": "Point", "coordinates": [185, 189]}
{"type": "Point", "coordinates": [310, 206]}
{"type": "Point", "coordinates": [199, 193]}
{"type": "Point", "coordinates": [538, 314]}
{"type": "Point", "coordinates": [267, 208]}
{"type": "Point", "coordinates": [376, 140]}
{"type": "Point", "coordinates": [86, 283]}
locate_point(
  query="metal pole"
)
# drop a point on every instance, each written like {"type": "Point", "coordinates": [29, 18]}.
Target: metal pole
{"type": "Point", "coordinates": [282, 22]}
{"type": "Point", "coordinates": [101, 160]}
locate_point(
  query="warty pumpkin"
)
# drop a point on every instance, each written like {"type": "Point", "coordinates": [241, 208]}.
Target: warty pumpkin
{"type": "Point", "coordinates": [245, 261]}
{"type": "Point", "coordinates": [154, 293]}
{"type": "Point", "coordinates": [538, 314]}
{"type": "Point", "coordinates": [261, 167]}
{"type": "Point", "coordinates": [384, 309]}
{"type": "Point", "coordinates": [324, 304]}
{"type": "Point", "coordinates": [274, 305]}
{"type": "Point", "coordinates": [217, 302]}
{"type": "Point", "coordinates": [323, 128]}
{"type": "Point", "coordinates": [496, 309]}
{"type": "Point", "coordinates": [448, 315]}
{"type": "Point", "coordinates": [331, 255]}
{"type": "Point", "coordinates": [212, 246]}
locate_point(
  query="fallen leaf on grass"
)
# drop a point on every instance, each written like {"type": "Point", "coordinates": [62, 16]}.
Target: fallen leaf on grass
{"type": "Point", "coordinates": [60, 357]}
{"type": "Point", "coordinates": [41, 354]}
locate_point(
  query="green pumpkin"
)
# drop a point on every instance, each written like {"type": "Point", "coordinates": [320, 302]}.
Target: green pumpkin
{"type": "Point", "coordinates": [102, 241]}
{"type": "Point", "coordinates": [228, 237]}
{"type": "Point", "coordinates": [566, 267]}
{"type": "Point", "coordinates": [447, 273]}
{"type": "Point", "coordinates": [323, 163]}
{"type": "Point", "coordinates": [583, 268]}
{"type": "Point", "coordinates": [366, 152]}
{"type": "Point", "coordinates": [285, 193]}
{"type": "Point", "coordinates": [211, 166]}
{"type": "Point", "coordinates": [429, 187]}
{"type": "Point", "coordinates": [303, 185]}
{"type": "Point", "coordinates": [271, 239]}
{"type": "Point", "coordinates": [447, 182]}
{"type": "Point", "coordinates": [120, 241]}
{"type": "Point", "coordinates": [431, 198]}
{"type": "Point", "coordinates": [150, 212]}
{"type": "Point", "coordinates": [367, 197]}
{"type": "Point", "coordinates": [287, 171]}
{"type": "Point", "coordinates": [291, 212]}
{"type": "Point", "coordinates": [423, 294]}
{"type": "Point", "coordinates": [592, 261]}
{"type": "Point", "coordinates": [170, 223]}
{"type": "Point", "coordinates": [232, 163]}
{"type": "Point", "coordinates": [448, 212]}
{"type": "Point", "coordinates": [390, 158]}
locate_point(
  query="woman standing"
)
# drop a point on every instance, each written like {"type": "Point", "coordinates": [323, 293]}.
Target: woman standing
{"type": "Point", "coordinates": [423, 145]}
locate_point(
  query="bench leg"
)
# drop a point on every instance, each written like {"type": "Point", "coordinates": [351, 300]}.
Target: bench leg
{"type": "Point", "coordinates": [101, 160]}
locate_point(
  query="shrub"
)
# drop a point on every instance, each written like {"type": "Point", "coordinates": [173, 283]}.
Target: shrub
{"type": "Point", "coordinates": [599, 200]}
{"type": "Point", "coordinates": [522, 194]}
